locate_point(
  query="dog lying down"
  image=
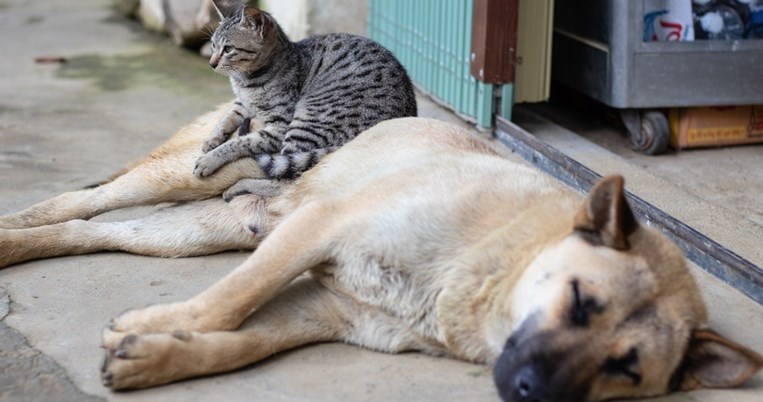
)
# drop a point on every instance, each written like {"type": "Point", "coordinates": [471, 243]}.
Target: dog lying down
{"type": "Point", "coordinates": [416, 236]}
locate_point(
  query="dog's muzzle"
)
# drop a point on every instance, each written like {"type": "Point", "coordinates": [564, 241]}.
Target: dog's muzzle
{"type": "Point", "coordinates": [535, 367]}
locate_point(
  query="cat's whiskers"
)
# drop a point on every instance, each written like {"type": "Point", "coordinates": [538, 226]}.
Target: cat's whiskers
{"type": "Point", "coordinates": [208, 31]}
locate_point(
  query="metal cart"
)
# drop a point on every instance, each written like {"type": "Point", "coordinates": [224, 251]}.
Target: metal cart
{"type": "Point", "coordinates": [599, 50]}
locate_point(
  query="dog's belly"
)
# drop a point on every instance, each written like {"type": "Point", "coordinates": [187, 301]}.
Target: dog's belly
{"type": "Point", "coordinates": [395, 310]}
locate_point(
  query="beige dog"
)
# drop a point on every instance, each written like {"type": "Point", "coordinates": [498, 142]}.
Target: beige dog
{"type": "Point", "coordinates": [415, 236]}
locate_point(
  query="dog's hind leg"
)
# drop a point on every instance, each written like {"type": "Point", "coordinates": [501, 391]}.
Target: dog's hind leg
{"type": "Point", "coordinates": [190, 229]}
{"type": "Point", "coordinates": [304, 240]}
{"type": "Point", "coordinates": [305, 312]}
{"type": "Point", "coordinates": [165, 175]}
{"type": "Point", "coordinates": [249, 198]}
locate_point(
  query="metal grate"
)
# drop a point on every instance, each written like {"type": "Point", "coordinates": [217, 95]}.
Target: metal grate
{"type": "Point", "coordinates": [432, 39]}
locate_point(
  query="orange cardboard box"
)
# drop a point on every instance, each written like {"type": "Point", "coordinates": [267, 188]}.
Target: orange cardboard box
{"type": "Point", "coordinates": [715, 126]}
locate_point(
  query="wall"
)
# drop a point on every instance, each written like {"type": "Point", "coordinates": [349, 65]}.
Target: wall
{"type": "Point", "coordinates": [301, 18]}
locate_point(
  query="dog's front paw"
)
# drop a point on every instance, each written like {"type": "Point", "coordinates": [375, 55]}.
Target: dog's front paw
{"type": "Point", "coordinates": [165, 318]}
{"type": "Point", "coordinates": [207, 164]}
{"type": "Point", "coordinates": [140, 361]}
{"type": "Point", "coordinates": [152, 319]}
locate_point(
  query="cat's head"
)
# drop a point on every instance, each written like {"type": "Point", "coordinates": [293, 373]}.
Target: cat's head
{"type": "Point", "coordinates": [245, 41]}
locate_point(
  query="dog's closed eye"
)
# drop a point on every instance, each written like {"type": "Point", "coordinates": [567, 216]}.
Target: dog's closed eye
{"type": "Point", "coordinates": [623, 366]}
{"type": "Point", "coordinates": [582, 307]}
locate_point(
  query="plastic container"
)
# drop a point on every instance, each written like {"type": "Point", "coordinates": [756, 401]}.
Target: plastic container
{"type": "Point", "coordinates": [600, 51]}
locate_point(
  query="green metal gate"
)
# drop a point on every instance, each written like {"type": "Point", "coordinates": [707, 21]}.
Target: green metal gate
{"type": "Point", "coordinates": [432, 38]}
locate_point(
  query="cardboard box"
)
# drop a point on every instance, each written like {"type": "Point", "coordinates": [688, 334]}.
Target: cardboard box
{"type": "Point", "coordinates": [715, 126]}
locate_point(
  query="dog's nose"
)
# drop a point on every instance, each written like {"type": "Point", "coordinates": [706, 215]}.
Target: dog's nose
{"type": "Point", "coordinates": [527, 385]}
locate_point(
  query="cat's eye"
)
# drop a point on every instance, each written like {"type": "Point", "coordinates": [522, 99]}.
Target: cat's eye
{"type": "Point", "coordinates": [227, 49]}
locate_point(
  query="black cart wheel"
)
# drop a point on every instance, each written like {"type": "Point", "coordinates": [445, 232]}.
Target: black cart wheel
{"type": "Point", "coordinates": [653, 135]}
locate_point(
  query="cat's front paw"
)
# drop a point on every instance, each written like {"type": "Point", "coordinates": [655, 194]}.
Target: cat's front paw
{"type": "Point", "coordinates": [214, 142]}
{"type": "Point", "coordinates": [207, 164]}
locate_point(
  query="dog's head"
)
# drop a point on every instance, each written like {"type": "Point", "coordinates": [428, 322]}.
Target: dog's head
{"type": "Point", "coordinates": [611, 311]}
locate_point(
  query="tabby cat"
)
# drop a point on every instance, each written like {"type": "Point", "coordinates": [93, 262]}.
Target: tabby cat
{"type": "Point", "coordinates": [313, 95]}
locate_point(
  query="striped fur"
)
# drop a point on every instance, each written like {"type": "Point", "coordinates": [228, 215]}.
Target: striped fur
{"type": "Point", "coordinates": [312, 96]}
{"type": "Point", "coordinates": [290, 165]}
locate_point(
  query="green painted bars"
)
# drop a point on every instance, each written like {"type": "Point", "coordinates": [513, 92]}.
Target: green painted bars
{"type": "Point", "coordinates": [432, 40]}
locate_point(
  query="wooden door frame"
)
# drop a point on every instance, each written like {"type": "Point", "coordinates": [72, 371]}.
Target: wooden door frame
{"type": "Point", "coordinates": [494, 40]}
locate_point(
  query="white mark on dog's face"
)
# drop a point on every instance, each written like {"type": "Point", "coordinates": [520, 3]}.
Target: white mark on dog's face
{"type": "Point", "coordinates": [598, 274]}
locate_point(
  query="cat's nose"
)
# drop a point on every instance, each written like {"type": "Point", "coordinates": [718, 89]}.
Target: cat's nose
{"type": "Point", "coordinates": [213, 63]}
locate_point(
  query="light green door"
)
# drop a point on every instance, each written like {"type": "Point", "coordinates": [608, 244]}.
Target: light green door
{"type": "Point", "coordinates": [432, 40]}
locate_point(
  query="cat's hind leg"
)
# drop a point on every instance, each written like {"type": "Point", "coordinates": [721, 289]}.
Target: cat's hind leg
{"type": "Point", "coordinates": [261, 187]}
{"type": "Point", "coordinates": [163, 176]}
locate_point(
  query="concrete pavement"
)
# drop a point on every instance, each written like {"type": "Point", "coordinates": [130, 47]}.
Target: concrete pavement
{"type": "Point", "coordinates": [120, 93]}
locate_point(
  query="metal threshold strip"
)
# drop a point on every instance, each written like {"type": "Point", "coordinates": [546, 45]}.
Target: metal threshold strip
{"type": "Point", "coordinates": [711, 256]}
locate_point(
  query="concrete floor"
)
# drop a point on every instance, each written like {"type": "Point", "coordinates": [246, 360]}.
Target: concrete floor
{"type": "Point", "coordinates": [718, 191]}
{"type": "Point", "coordinates": [120, 93]}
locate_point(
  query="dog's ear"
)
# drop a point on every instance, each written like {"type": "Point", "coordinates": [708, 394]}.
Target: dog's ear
{"type": "Point", "coordinates": [605, 218]}
{"type": "Point", "coordinates": [227, 8]}
{"type": "Point", "coordinates": [712, 361]}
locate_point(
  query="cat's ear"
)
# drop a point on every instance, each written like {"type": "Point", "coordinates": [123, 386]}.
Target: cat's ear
{"type": "Point", "coordinates": [255, 19]}
{"type": "Point", "coordinates": [227, 8]}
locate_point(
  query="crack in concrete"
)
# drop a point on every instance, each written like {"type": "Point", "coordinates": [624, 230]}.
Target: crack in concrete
{"type": "Point", "coordinates": [5, 303]}
{"type": "Point", "coordinates": [26, 374]}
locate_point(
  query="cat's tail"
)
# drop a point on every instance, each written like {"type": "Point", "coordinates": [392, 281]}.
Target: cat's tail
{"type": "Point", "coordinates": [290, 166]}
